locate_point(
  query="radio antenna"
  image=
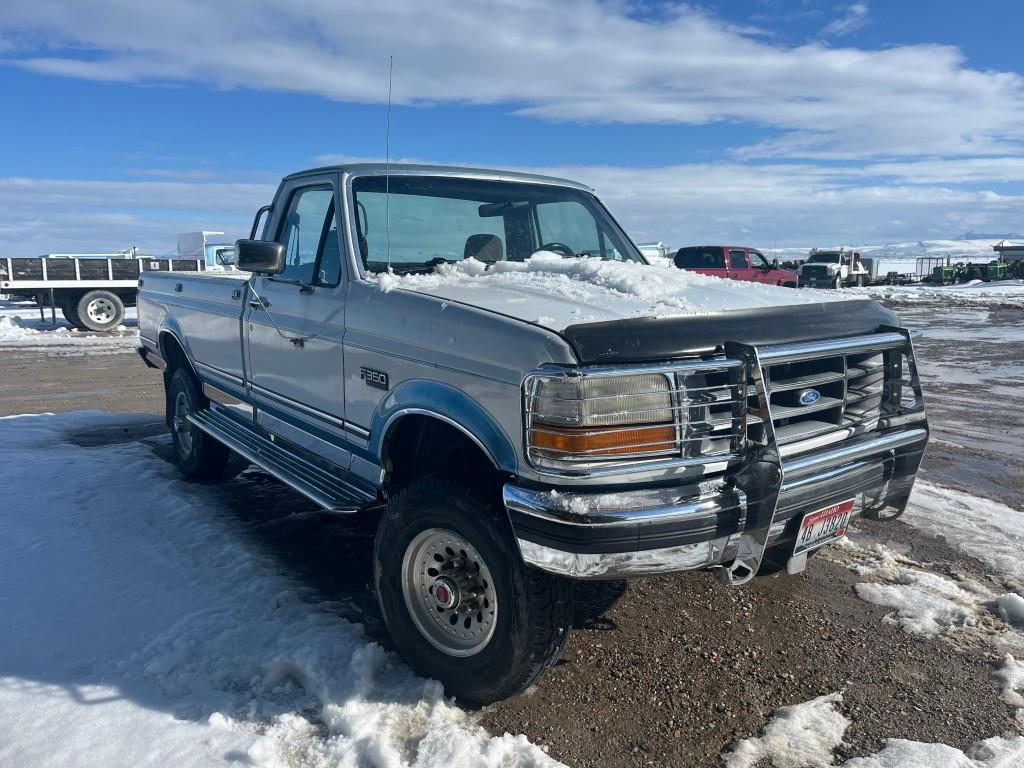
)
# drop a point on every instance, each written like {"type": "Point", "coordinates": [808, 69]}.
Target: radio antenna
{"type": "Point", "coordinates": [387, 165]}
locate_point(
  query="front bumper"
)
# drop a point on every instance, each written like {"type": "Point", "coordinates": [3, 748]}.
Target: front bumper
{"type": "Point", "coordinates": [817, 281]}
{"type": "Point", "coordinates": [749, 515]}
{"type": "Point", "coordinates": [610, 536]}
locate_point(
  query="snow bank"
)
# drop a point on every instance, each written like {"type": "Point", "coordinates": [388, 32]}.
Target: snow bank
{"type": "Point", "coordinates": [997, 752]}
{"type": "Point", "coordinates": [801, 736]}
{"type": "Point", "coordinates": [1011, 608]}
{"type": "Point", "coordinates": [141, 626]}
{"type": "Point", "coordinates": [980, 527]}
{"type": "Point", "coordinates": [20, 327]}
{"type": "Point", "coordinates": [926, 603]}
{"type": "Point", "coordinates": [548, 284]}
{"type": "Point", "coordinates": [1011, 677]}
{"type": "Point", "coordinates": [806, 735]}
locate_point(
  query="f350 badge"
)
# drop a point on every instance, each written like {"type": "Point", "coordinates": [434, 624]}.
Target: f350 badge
{"type": "Point", "coordinates": [372, 378]}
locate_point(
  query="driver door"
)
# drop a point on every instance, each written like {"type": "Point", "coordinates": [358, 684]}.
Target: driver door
{"type": "Point", "coordinates": [295, 324]}
{"type": "Point", "coordinates": [762, 269]}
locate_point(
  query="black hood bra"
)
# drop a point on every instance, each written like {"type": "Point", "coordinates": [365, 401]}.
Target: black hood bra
{"type": "Point", "coordinates": [655, 339]}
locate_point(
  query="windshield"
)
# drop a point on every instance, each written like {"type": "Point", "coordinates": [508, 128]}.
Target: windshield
{"type": "Point", "coordinates": [224, 255]}
{"type": "Point", "coordinates": [438, 220]}
{"type": "Point", "coordinates": [825, 258]}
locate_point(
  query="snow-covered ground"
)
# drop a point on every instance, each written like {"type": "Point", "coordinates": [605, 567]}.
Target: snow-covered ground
{"type": "Point", "coordinates": [139, 629]}
{"type": "Point", "coordinates": [1004, 293]}
{"type": "Point", "coordinates": [21, 327]}
{"type": "Point", "coordinates": [805, 736]}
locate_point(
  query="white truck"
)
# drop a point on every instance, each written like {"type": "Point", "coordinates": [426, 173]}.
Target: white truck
{"type": "Point", "coordinates": [484, 363]}
{"type": "Point", "coordinates": [210, 247]}
{"type": "Point", "coordinates": [833, 268]}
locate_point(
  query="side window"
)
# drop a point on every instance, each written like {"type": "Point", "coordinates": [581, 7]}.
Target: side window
{"type": "Point", "coordinates": [738, 259]}
{"type": "Point", "coordinates": [700, 258]}
{"type": "Point", "coordinates": [310, 237]}
{"type": "Point", "coordinates": [758, 261]}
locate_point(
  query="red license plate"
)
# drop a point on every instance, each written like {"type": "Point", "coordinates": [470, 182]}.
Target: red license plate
{"type": "Point", "coordinates": [823, 526]}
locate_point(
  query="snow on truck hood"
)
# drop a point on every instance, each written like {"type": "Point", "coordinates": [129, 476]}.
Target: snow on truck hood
{"type": "Point", "coordinates": [557, 292]}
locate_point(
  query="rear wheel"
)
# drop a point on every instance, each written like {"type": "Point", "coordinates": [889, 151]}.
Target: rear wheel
{"type": "Point", "coordinates": [99, 311]}
{"type": "Point", "coordinates": [69, 308]}
{"type": "Point", "coordinates": [200, 456]}
{"type": "Point", "coordinates": [459, 602]}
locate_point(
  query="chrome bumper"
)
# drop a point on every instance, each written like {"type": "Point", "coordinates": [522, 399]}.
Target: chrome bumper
{"type": "Point", "coordinates": [744, 518]}
{"type": "Point", "coordinates": [636, 533]}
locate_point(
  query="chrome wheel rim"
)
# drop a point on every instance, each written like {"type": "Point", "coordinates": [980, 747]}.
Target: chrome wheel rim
{"type": "Point", "coordinates": [101, 311]}
{"type": "Point", "coordinates": [449, 592]}
{"type": "Point", "coordinates": [182, 426]}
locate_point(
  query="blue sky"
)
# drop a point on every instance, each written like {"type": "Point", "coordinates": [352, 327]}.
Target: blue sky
{"type": "Point", "coordinates": [769, 121]}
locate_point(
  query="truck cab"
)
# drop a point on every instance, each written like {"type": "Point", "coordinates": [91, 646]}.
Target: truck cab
{"type": "Point", "coordinates": [210, 247]}
{"type": "Point", "coordinates": [836, 268]}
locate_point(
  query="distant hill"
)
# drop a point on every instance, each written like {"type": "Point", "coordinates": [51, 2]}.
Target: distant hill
{"type": "Point", "coordinates": [988, 236]}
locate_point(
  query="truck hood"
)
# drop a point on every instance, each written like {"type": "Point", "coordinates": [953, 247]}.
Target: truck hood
{"type": "Point", "coordinates": [558, 293]}
{"type": "Point", "coordinates": [629, 312]}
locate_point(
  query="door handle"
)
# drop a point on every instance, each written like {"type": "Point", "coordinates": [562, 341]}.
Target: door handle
{"type": "Point", "coordinates": [236, 294]}
{"type": "Point", "coordinates": [259, 303]}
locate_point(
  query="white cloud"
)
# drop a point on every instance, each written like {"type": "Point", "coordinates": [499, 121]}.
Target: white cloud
{"type": "Point", "coordinates": [762, 204]}
{"type": "Point", "coordinates": [580, 60]}
{"type": "Point", "coordinates": [854, 17]}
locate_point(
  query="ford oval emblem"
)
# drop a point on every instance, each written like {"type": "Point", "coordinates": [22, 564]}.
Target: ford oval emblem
{"type": "Point", "coordinates": [809, 396]}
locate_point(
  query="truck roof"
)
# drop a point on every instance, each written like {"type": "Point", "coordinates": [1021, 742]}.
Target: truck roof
{"type": "Point", "coordinates": [413, 169]}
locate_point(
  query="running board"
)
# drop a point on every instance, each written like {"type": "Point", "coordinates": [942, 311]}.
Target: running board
{"type": "Point", "coordinates": [308, 478]}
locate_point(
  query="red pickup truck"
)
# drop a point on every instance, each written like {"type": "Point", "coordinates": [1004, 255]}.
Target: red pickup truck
{"type": "Point", "coordinates": [736, 262]}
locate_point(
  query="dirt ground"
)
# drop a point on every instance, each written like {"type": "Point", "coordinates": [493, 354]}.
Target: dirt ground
{"type": "Point", "coordinates": [672, 670]}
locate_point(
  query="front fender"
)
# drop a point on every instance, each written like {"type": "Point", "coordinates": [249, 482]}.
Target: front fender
{"type": "Point", "coordinates": [431, 398]}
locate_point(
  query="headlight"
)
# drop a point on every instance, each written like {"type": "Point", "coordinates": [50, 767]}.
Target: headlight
{"type": "Point", "coordinates": [578, 419]}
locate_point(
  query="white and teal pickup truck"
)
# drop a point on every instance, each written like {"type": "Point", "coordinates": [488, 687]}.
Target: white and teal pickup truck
{"type": "Point", "coordinates": [486, 362]}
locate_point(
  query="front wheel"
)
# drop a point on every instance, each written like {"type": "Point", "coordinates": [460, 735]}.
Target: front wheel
{"type": "Point", "coordinates": [838, 282]}
{"type": "Point", "coordinates": [459, 602]}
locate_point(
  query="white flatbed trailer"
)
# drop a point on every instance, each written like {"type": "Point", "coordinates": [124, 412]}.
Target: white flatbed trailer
{"type": "Point", "coordinates": [91, 290]}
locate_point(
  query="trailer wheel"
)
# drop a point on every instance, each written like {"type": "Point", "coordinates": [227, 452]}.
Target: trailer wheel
{"type": "Point", "coordinates": [459, 602]}
{"type": "Point", "coordinates": [99, 311]}
{"type": "Point", "coordinates": [200, 456]}
{"type": "Point", "coordinates": [69, 308]}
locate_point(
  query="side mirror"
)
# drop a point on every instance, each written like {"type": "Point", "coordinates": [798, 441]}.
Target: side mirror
{"type": "Point", "coordinates": [775, 263]}
{"type": "Point", "coordinates": [260, 256]}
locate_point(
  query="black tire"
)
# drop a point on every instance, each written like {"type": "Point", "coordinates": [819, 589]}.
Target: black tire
{"type": "Point", "coordinates": [70, 311]}
{"type": "Point", "coordinates": [838, 282]}
{"type": "Point", "coordinates": [99, 311]}
{"type": "Point", "coordinates": [200, 456]}
{"type": "Point", "coordinates": [860, 281]}
{"type": "Point", "coordinates": [534, 609]}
